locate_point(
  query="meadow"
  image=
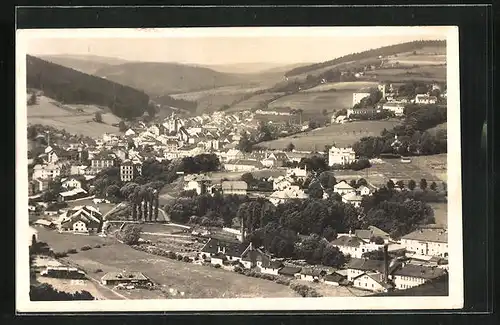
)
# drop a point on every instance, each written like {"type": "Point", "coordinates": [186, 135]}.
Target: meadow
{"type": "Point", "coordinates": [75, 119]}
{"type": "Point", "coordinates": [252, 102]}
{"type": "Point", "coordinates": [340, 134]}
{"type": "Point", "coordinates": [347, 85]}
{"type": "Point", "coordinates": [422, 73]}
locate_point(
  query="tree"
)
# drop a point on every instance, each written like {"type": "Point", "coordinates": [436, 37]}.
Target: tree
{"type": "Point", "coordinates": [352, 182]}
{"type": "Point", "coordinates": [122, 126]}
{"type": "Point", "coordinates": [98, 117]}
{"type": "Point", "coordinates": [32, 100]}
{"type": "Point", "coordinates": [433, 186]}
{"type": "Point", "coordinates": [324, 112]}
{"type": "Point", "coordinates": [423, 184]}
{"type": "Point", "coordinates": [400, 184]}
{"type": "Point", "coordinates": [412, 184]}
{"type": "Point", "coordinates": [130, 234]}
{"type": "Point", "coordinates": [245, 144]}
{"type": "Point", "coordinates": [362, 182]}
{"type": "Point", "coordinates": [445, 187]}
{"type": "Point", "coordinates": [390, 184]}
{"type": "Point", "coordinates": [290, 147]}
{"type": "Point", "coordinates": [151, 110]}
{"type": "Point", "coordinates": [113, 190]}
{"type": "Point", "coordinates": [248, 178]}
{"type": "Point", "coordinates": [327, 179]}
{"type": "Point", "coordinates": [332, 256]}
{"type": "Point", "coordinates": [313, 125]}
{"type": "Point", "coordinates": [46, 292]}
{"type": "Point", "coordinates": [315, 190]}
{"type": "Point", "coordinates": [377, 240]}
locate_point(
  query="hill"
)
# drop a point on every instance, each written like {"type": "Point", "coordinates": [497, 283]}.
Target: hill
{"type": "Point", "coordinates": [370, 54]}
{"type": "Point", "coordinates": [159, 78]}
{"type": "Point", "coordinates": [69, 86]}
{"type": "Point", "coordinates": [84, 63]}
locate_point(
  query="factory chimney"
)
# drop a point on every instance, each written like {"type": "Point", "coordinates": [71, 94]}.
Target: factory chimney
{"type": "Point", "coordinates": [386, 264]}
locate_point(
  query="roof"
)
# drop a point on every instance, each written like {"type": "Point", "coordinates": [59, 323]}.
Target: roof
{"type": "Point", "coordinates": [312, 271]}
{"type": "Point", "coordinates": [43, 222]}
{"type": "Point", "coordinates": [437, 235]}
{"type": "Point", "coordinates": [245, 162]}
{"type": "Point", "coordinates": [233, 248]}
{"type": "Point", "coordinates": [372, 231]}
{"type": "Point", "coordinates": [422, 272]}
{"type": "Point", "coordinates": [256, 255]}
{"type": "Point", "coordinates": [289, 270]}
{"type": "Point", "coordinates": [437, 287]}
{"type": "Point", "coordinates": [350, 241]}
{"type": "Point", "coordinates": [366, 265]}
{"type": "Point", "coordinates": [104, 155]}
{"type": "Point", "coordinates": [352, 197]}
{"type": "Point", "coordinates": [72, 192]}
{"type": "Point", "coordinates": [342, 186]}
{"type": "Point", "coordinates": [124, 275]}
{"type": "Point", "coordinates": [270, 264]}
{"type": "Point", "coordinates": [234, 185]}
{"type": "Point", "coordinates": [334, 277]}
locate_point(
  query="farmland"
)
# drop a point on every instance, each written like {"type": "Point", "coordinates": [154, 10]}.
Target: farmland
{"type": "Point", "coordinates": [348, 85]}
{"type": "Point", "coordinates": [422, 73]}
{"type": "Point", "coordinates": [252, 102]}
{"type": "Point", "coordinates": [340, 134]}
{"type": "Point", "coordinates": [195, 280]}
{"type": "Point", "coordinates": [75, 119]}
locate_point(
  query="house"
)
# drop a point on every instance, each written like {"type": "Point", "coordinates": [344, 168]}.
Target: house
{"type": "Point", "coordinates": [234, 154]}
{"type": "Point", "coordinates": [396, 107]}
{"type": "Point", "coordinates": [292, 192]}
{"type": "Point", "coordinates": [363, 190]}
{"type": "Point", "coordinates": [171, 145]}
{"type": "Point", "coordinates": [341, 156]}
{"type": "Point", "coordinates": [130, 133]}
{"type": "Point", "coordinates": [44, 223]}
{"type": "Point", "coordinates": [352, 198]}
{"type": "Point", "coordinates": [242, 165]}
{"type": "Point", "coordinates": [361, 111]}
{"type": "Point", "coordinates": [78, 170]}
{"type": "Point", "coordinates": [351, 245]}
{"type": "Point", "coordinates": [275, 159]}
{"type": "Point", "coordinates": [74, 194]}
{"type": "Point", "coordinates": [38, 185]}
{"type": "Point", "coordinates": [427, 241]}
{"type": "Point", "coordinates": [410, 276]}
{"type": "Point", "coordinates": [360, 95]}
{"type": "Point", "coordinates": [50, 155]}
{"type": "Point", "coordinates": [343, 188]}
{"type": "Point", "coordinates": [254, 257]}
{"type": "Point", "coordinates": [71, 183]}
{"type": "Point", "coordinates": [358, 266]}
{"type": "Point", "coordinates": [371, 281]}
{"type": "Point", "coordinates": [371, 232]}
{"type": "Point", "coordinates": [334, 279]}
{"type": "Point", "coordinates": [234, 188]}
{"type": "Point", "coordinates": [296, 156]}
{"type": "Point", "coordinates": [130, 278]}
{"type": "Point", "coordinates": [425, 99]}
{"type": "Point", "coordinates": [81, 219]}
{"type": "Point", "coordinates": [289, 271]}
{"type": "Point", "coordinates": [280, 183]}
{"type": "Point", "coordinates": [221, 249]}
{"type": "Point", "coordinates": [49, 171]}
{"type": "Point", "coordinates": [102, 161]}
{"type": "Point", "coordinates": [271, 267]}
{"type": "Point", "coordinates": [130, 170]}
{"type": "Point", "coordinates": [311, 274]}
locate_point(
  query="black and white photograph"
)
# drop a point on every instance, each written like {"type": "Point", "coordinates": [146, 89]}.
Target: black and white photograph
{"type": "Point", "coordinates": [238, 169]}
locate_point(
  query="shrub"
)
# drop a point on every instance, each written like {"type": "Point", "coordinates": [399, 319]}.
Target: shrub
{"type": "Point", "coordinates": [172, 255]}
{"type": "Point", "coordinates": [71, 251]}
{"type": "Point", "coordinates": [85, 248]}
{"type": "Point", "coordinates": [238, 269]}
{"type": "Point", "coordinates": [98, 271]}
{"type": "Point", "coordinates": [179, 257]}
{"type": "Point", "coordinates": [187, 259]}
{"type": "Point", "coordinates": [60, 254]}
{"type": "Point", "coordinates": [217, 266]}
{"type": "Point", "coordinates": [97, 246]}
{"type": "Point", "coordinates": [282, 281]}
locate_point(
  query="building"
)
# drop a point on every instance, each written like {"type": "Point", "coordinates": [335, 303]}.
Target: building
{"type": "Point", "coordinates": [49, 171]}
{"type": "Point", "coordinates": [74, 194]}
{"type": "Point", "coordinates": [425, 99]}
{"type": "Point", "coordinates": [230, 249]}
{"type": "Point", "coordinates": [71, 183]}
{"type": "Point", "coordinates": [271, 267]}
{"type": "Point", "coordinates": [130, 170]}
{"type": "Point", "coordinates": [352, 198]}
{"type": "Point", "coordinates": [396, 107]}
{"type": "Point", "coordinates": [371, 281]}
{"type": "Point", "coordinates": [290, 271]}
{"type": "Point", "coordinates": [410, 276]}
{"type": "Point", "coordinates": [81, 219]}
{"type": "Point", "coordinates": [243, 165]}
{"type": "Point", "coordinates": [275, 159]}
{"type": "Point", "coordinates": [298, 173]}
{"type": "Point", "coordinates": [334, 279]}
{"type": "Point", "coordinates": [428, 241]}
{"type": "Point", "coordinates": [311, 274]}
{"type": "Point", "coordinates": [358, 96]}
{"type": "Point", "coordinates": [254, 257]}
{"type": "Point", "coordinates": [371, 232]}
{"type": "Point", "coordinates": [358, 266]}
{"type": "Point", "coordinates": [363, 190]}
{"type": "Point", "coordinates": [352, 245]}
{"type": "Point", "coordinates": [361, 111]}
{"type": "Point", "coordinates": [343, 188]}
{"type": "Point", "coordinates": [292, 192]}
{"type": "Point", "coordinates": [341, 156]}
{"type": "Point", "coordinates": [127, 278]}
{"type": "Point", "coordinates": [102, 161]}
{"type": "Point", "coordinates": [234, 188]}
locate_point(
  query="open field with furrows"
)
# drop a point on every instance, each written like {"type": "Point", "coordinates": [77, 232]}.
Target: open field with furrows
{"type": "Point", "coordinates": [75, 119]}
{"type": "Point", "coordinates": [340, 134]}
{"type": "Point", "coordinates": [313, 103]}
{"type": "Point", "coordinates": [196, 281]}
{"type": "Point", "coordinates": [422, 73]}
{"type": "Point", "coordinates": [252, 102]}
{"type": "Point", "coordinates": [348, 85]}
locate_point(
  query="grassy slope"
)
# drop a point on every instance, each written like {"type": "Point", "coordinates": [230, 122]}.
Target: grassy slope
{"type": "Point", "coordinates": [341, 134]}
{"type": "Point", "coordinates": [84, 63]}
{"type": "Point", "coordinates": [47, 112]}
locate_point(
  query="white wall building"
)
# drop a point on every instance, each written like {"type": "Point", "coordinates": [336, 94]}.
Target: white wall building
{"type": "Point", "coordinates": [427, 241]}
{"type": "Point", "coordinates": [341, 156]}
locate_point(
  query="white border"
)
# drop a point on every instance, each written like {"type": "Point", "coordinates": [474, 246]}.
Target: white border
{"type": "Point", "coordinates": [453, 301]}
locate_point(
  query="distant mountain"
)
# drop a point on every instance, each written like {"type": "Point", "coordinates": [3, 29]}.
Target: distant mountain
{"type": "Point", "coordinates": [369, 54]}
{"type": "Point", "coordinates": [84, 63]}
{"type": "Point", "coordinates": [254, 67]}
{"type": "Point", "coordinates": [159, 78]}
{"type": "Point", "coordinates": [70, 86]}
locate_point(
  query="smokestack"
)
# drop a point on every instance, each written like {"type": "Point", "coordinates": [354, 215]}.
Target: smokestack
{"type": "Point", "coordinates": [386, 264]}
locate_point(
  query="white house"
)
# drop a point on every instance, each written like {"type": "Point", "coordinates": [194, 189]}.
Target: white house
{"type": "Point", "coordinates": [341, 156]}
{"type": "Point", "coordinates": [363, 190]}
{"type": "Point", "coordinates": [311, 274]}
{"type": "Point", "coordinates": [357, 266]}
{"type": "Point", "coordinates": [271, 267]}
{"type": "Point", "coordinates": [71, 183]}
{"type": "Point", "coordinates": [352, 198]}
{"type": "Point", "coordinates": [280, 183]}
{"type": "Point", "coordinates": [427, 241]}
{"type": "Point", "coordinates": [292, 192]}
{"type": "Point", "coordinates": [130, 132]}
{"type": "Point", "coordinates": [49, 171]}
{"type": "Point", "coordinates": [334, 279]}
{"type": "Point", "coordinates": [425, 99]}
{"type": "Point", "coordinates": [234, 188]}
{"type": "Point", "coordinates": [343, 188]}
{"type": "Point", "coordinates": [396, 107]}
{"type": "Point", "coordinates": [353, 246]}
{"type": "Point", "coordinates": [193, 185]}
{"type": "Point", "coordinates": [410, 276]}
{"type": "Point", "coordinates": [371, 281]}
{"type": "Point", "coordinates": [81, 219]}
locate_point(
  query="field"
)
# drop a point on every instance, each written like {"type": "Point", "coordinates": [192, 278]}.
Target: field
{"type": "Point", "coordinates": [423, 73]}
{"type": "Point", "coordinates": [313, 103]}
{"type": "Point", "coordinates": [252, 102]}
{"type": "Point", "coordinates": [348, 85]}
{"type": "Point", "coordinates": [340, 134]}
{"type": "Point", "coordinates": [435, 165]}
{"type": "Point", "coordinates": [75, 119]}
{"type": "Point", "coordinates": [327, 290]}
{"type": "Point", "coordinates": [195, 281]}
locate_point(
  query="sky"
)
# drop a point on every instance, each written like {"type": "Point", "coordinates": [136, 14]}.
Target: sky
{"type": "Point", "coordinates": [222, 46]}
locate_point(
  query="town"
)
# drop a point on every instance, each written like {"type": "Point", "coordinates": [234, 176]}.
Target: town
{"type": "Point", "coordinates": [201, 190]}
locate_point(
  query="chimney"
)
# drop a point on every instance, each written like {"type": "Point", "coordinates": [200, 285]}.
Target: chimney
{"type": "Point", "coordinates": [386, 264]}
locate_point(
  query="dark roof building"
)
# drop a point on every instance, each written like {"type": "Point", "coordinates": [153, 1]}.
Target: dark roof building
{"type": "Point", "coordinates": [422, 272]}
{"type": "Point", "coordinates": [289, 270]}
